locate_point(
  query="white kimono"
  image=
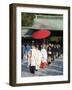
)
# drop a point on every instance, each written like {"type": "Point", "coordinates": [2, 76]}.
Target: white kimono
{"type": "Point", "coordinates": [38, 59]}
{"type": "Point", "coordinates": [31, 60]}
{"type": "Point", "coordinates": [35, 58]}
{"type": "Point", "coordinates": [44, 55]}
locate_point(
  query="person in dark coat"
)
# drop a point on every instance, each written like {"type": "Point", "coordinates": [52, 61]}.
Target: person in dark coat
{"type": "Point", "coordinates": [49, 51]}
{"type": "Point", "coordinates": [52, 50]}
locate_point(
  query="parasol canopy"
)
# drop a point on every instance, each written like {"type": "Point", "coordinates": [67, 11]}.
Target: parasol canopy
{"type": "Point", "coordinates": [41, 34]}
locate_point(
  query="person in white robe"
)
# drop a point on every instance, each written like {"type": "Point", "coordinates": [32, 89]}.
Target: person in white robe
{"type": "Point", "coordinates": [38, 58]}
{"type": "Point", "coordinates": [32, 59]}
{"type": "Point", "coordinates": [44, 57]}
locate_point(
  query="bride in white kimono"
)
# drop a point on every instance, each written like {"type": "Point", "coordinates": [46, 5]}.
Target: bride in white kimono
{"type": "Point", "coordinates": [44, 57]}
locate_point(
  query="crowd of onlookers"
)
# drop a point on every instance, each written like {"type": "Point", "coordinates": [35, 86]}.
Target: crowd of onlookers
{"type": "Point", "coordinates": [40, 56]}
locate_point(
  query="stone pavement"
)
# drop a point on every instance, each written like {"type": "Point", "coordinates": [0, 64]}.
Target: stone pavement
{"type": "Point", "coordinates": [55, 68]}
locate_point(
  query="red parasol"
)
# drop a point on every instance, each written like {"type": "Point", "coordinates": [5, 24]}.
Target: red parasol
{"type": "Point", "coordinates": [41, 34]}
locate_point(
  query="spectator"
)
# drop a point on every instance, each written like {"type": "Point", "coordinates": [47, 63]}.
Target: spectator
{"type": "Point", "coordinates": [49, 51]}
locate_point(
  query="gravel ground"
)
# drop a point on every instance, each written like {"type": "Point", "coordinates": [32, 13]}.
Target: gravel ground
{"type": "Point", "coordinates": [55, 68]}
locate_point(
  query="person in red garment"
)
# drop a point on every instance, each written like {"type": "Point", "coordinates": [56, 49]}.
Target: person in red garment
{"type": "Point", "coordinates": [44, 57]}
